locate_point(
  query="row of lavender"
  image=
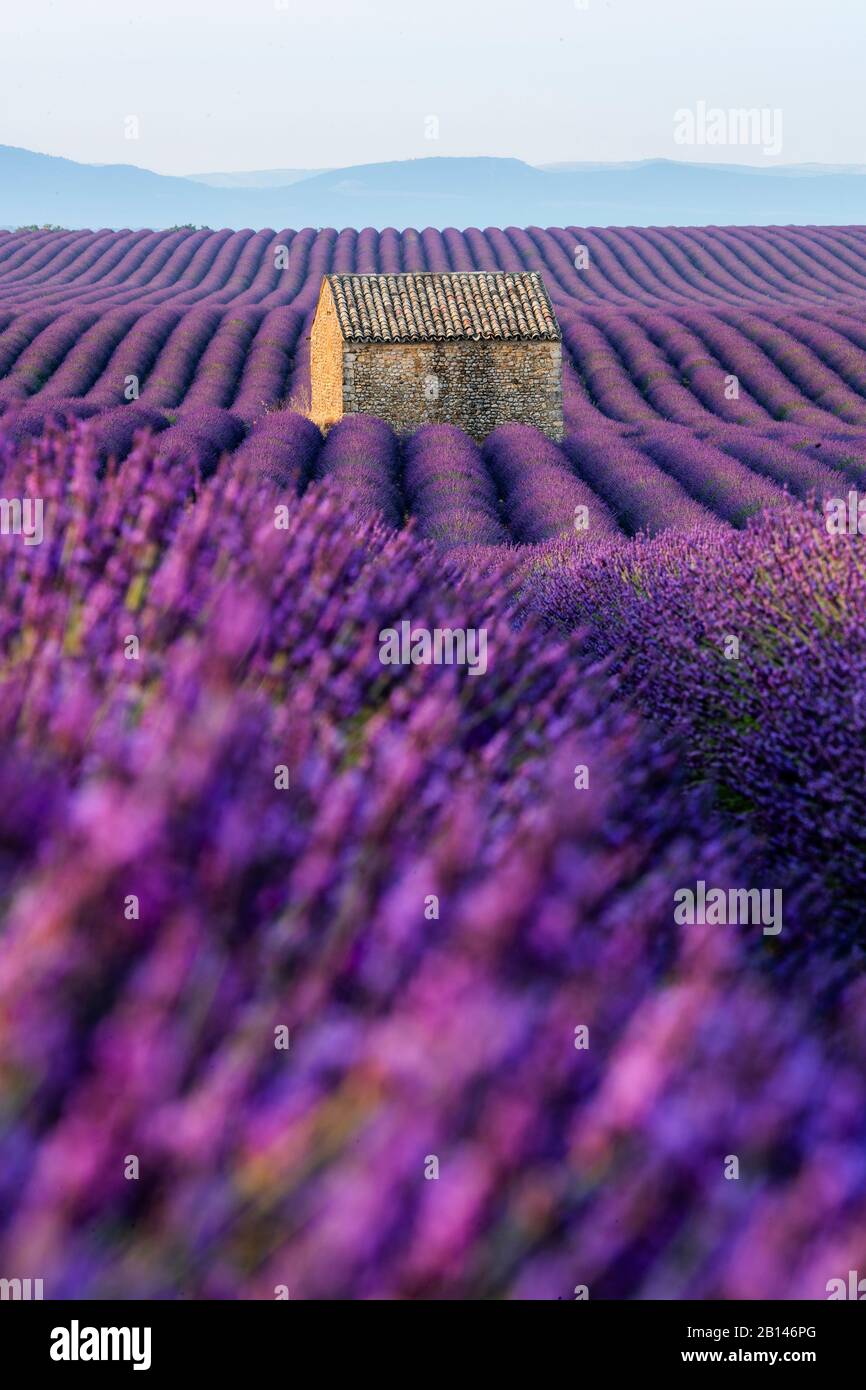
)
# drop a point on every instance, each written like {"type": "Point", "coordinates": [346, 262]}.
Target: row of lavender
{"type": "Point", "coordinates": [518, 487]}
{"type": "Point", "coordinates": [380, 1003]}
{"type": "Point", "coordinates": [818, 267]}
{"type": "Point", "coordinates": [694, 367]}
{"type": "Point", "coordinates": [780, 732]}
{"type": "Point", "coordinates": [700, 368]}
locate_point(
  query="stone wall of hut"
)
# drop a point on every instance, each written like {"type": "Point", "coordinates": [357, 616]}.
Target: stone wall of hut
{"type": "Point", "coordinates": [326, 363]}
{"type": "Point", "coordinates": [475, 385]}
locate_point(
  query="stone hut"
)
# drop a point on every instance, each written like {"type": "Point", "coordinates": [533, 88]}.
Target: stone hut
{"type": "Point", "coordinates": [474, 349]}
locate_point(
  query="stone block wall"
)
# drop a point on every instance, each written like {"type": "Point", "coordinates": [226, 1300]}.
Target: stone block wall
{"type": "Point", "coordinates": [475, 385]}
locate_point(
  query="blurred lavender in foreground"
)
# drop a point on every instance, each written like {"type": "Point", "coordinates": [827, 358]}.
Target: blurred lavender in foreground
{"type": "Point", "coordinates": [253, 826]}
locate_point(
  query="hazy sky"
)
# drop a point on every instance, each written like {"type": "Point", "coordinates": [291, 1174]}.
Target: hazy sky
{"type": "Point", "coordinates": [257, 84]}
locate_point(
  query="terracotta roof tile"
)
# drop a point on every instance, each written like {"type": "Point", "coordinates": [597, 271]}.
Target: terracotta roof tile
{"type": "Point", "coordinates": [432, 306]}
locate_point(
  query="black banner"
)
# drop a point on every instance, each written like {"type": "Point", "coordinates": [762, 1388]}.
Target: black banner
{"type": "Point", "coordinates": [158, 1340]}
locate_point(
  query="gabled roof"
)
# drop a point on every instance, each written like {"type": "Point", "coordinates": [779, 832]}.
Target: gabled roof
{"type": "Point", "coordinates": [434, 307]}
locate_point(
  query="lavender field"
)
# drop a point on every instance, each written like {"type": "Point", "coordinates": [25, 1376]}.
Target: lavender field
{"type": "Point", "coordinates": [325, 978]}
{"type": "Point", "coordinates": [707, 371]}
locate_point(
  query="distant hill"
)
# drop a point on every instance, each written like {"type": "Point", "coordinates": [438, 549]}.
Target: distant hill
{"type": "Point", "coordinates": [438, 192]}
{"type": "Point", "coordinates": [41, 188]}
{"type": "Point", "coordinates": [255, 178]}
